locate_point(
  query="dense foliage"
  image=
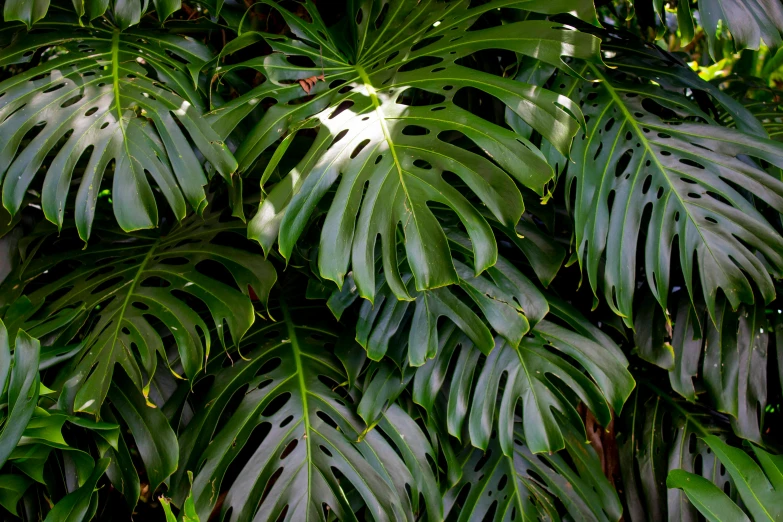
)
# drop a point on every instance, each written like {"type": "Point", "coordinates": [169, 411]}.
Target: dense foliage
{"type": "Point", "coordinates": [391, 260]}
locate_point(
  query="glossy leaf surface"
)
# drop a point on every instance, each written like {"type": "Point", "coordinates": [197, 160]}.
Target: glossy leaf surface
{"type": "Point", "coordinates": [291, 435]}
{"type": "Point", "coordinates": [110, 105]}
{"type": "Point", "coordinates": [170, 279]}
{"type": "Point", "coordinates": [387, 131]}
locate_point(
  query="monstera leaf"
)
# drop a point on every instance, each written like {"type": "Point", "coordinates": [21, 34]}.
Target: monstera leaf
{"type": "Point", "coordinates": [111, 105]}
{"type": "Point", "coordinates": [760, 100]}
{"type": "Point", "coordinates": [129, 291]}
{"type": "Point", "coordinates": [653, 168]}
{"type": "Point", "coordinates": [502, 298]}
{"type": "Point", "coordinates": [25, 11]}
{"type": "Point", "coordinates": [658, 435]}
{"type": "Point", "coordinates": [124, 12]}
{"type": "Point", "coordinates": [19, 387]}
{"type": "Point", "coordinates": [727, 358]}
{"type": "Point", "coordinates": [532, 367]}
{"type": "Point", "coordinates": [533, 375]}
{"type": "Point", "coordinates": [274, 433]}
{"type": "Point", "coordinates": [523, 486]}
{"type": "Point", "coordinates": [382, 93]}
{"type": "Point", "coordinates": [759, 487]}
{"type": "Point", "coordinates": [747, 22]}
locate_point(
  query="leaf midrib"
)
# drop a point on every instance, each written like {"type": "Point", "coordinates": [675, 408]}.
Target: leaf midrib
{"type": "Point", "coordinates": [663, 170]}
{"type": "Point", "coordinates": [387, 136]}
{"type": "Point", "coordinates": [131, 288]}
{"type": "Point", "coordinates": [294, 341]}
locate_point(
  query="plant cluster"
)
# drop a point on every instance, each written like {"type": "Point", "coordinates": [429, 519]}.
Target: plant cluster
{"type": "Point", "coordinates": [391, 260]}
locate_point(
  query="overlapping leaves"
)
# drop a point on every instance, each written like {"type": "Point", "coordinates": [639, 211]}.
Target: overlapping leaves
{"type": "Point", "coordinates": [533, 366]}
{"type": "Point", "coordinates": [654, 168]}
{"type": "Point", "coordinates": [759, 487]}
{"type": "Point", "coordinates": [123, 12]}
{"type": "Point", "coordinates": [522, 486]}
{"type": "Point", "coordinates": [742, 23]}
{"type": "Point", "coordinates": [30, 435]}
{"type": "Point", "coordinates": [122, 296]}
{"type": "Point", "coordinates": [274, 432]}
{"type": "Point", "coordinates": [657, 435]}
{"type": "Point", "coordinates": [106, 105]}
{"type": "Point", "coordinates": [387, 133]}
{"type": "Point", "coordinates": [728, 358]}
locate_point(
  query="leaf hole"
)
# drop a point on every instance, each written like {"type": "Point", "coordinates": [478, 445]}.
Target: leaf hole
{"type": "Point", "coordinates": [289, 449]}
{"type": "Point", "coordinates": [415, 130]}
{"type": "Point", "coordinates": [276, 404]}
{"type": "Point", "coordinates": [106, 285]}
{"type": "Point", "coordinates": [345, 105]}
{"type": "Point", "coordinates": [326, 418]}
{"type": "Point", "coordinates": [359, 148]}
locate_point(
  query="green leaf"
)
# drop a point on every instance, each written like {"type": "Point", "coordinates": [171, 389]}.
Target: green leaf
{"type": "Point", "coordinates": [377, 323]}
{"type": "Point", "coordinates": [129, 12]}
{"type": "Point", "coordinates": [759, 99]}
{"type": "Point", "coordinates": [12, 487]}
{"type": "Point", "coordinates": [25, 11]}
{"type": "Point", "coordinates": [22, 394]}
{"type": "Point", "coordinates": [188, 511]}
{"type": "Point", "coordinates": [650, 335]}
{"type": "Point", "coordinates": [498, 485]}
{"type": "Point", "coordinates": [128, 280]}
{"type": "Point", "coordinates": [108, 98]}
{"type": "Point", "coordinates": [656, 435]}
{"type": "Point", "coordinates": [760, 489]}
{"type": "Point", "coordinates": [449, 351]}
{"type": "Point", "coordinates": [506, 299]}
{"type": "Point", "coordinates": [82, 503]}
{"type": "Point", "coordinates": [748, 22]}
{"type": "Point", "coordinates": [107, 431]}
{"type": "Point", "coordinates": [290, 435]}
{"type": "Point", "coordinates": [154, 438]}
{"type": "Point", "coordinates": [729, 358]}
{"type": "Point", "coordinates": [31, 459]}
{"type": "Point", "coordinates": [385, 152]}
{"type": "Point", "coordinates": [650, 151]}
{"type": "Point", "coordinates": [121, 470]}
{"type": "Point", "coordinates": [711, 502]}
{"type": "Point", "coordinates": [528, 372]}
{"type": "Point", "coordinates": [547, 350]}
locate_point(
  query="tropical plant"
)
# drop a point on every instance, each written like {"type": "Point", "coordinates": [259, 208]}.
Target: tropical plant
{"type": "Point", "coordinates": [391, 260]}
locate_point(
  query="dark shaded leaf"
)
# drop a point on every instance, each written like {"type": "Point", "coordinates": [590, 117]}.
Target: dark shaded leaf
{"type": "Point", "coordinates": [154, 438]}
{"type": "Point", "coordinates": [297, 435]}
{"type": "Point", "coordinates": [525, 486]}
{"type": "Point", "coordinates": [82, 503]}
{"type": "Point", "coordinates": [760, 488]}
{"type": "Point", "coordinates": [23, 386]}
{"type": "Point", "coordinates": [132, 290]}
